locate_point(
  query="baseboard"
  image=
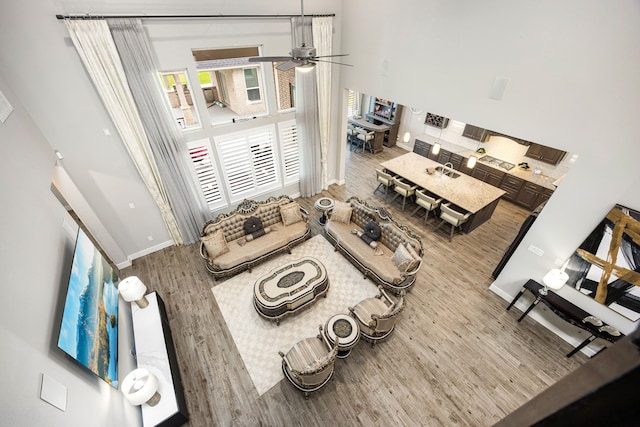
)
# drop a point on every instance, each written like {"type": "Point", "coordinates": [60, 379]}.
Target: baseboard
{"type": "Point", "coordinates": [144, 252]}
{"type": "Point", "coordinates": [542, 315]}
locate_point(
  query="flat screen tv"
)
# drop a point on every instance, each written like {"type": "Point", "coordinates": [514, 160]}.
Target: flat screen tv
{"type": "Point", "coordinates": [89, 328]}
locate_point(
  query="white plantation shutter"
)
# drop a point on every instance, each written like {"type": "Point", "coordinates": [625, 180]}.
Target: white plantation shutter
{"type": "Point", "coordinates": [200, 153]}
{"type": "Point", "coordinates": [288, 135]}
{"type": "Point", "coordinates": [248, 161]}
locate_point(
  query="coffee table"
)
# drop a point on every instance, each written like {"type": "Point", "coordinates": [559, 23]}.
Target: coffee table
{"type": "Point", "coordinates": [345, 327]}
{"type": "Point", "coordinates": [289, 288]}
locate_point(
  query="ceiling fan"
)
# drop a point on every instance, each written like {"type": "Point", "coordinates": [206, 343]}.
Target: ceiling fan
{"type": "Point", "coordinates": [299, 56]}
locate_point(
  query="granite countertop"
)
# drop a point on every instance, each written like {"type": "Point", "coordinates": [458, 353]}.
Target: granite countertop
{"type": "Point", "coordinates": [467, 192]}
{"type": "Point", "coordinates": [543, 180]}
{"type": "Point", "coordinates": [370, 126]}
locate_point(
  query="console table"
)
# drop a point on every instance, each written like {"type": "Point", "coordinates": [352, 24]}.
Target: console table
{"type": "Point", "coordinates": [155, 352]}
{"type": "Point", "coordinates": [567, 311]}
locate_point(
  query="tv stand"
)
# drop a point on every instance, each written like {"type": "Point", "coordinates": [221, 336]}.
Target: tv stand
{"type": "Point", "coordinates": [155, 351]}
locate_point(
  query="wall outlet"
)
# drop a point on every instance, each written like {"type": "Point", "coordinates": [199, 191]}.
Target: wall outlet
{"type": "Point", "coordinates": [536, 250]}
{"type": "Point", "coordinates": [150, 238]}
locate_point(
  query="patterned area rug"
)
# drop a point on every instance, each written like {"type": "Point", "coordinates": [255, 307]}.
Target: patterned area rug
{"type": "Point", "coordinates": [259, 340]}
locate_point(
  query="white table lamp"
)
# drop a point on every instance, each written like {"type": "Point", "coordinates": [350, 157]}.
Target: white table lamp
{"type": "Point", "coordinates": [132, 289]}
{"type": "Point", "coordinates": [141, 386]}
{"type": "Point", "coordinates": [554, 279]}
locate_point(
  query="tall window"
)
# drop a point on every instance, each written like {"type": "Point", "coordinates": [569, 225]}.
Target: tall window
{"type": "Point", "coordinates": [289, 155]}
{"type": "Point", "coordinates": [285, 82]}
{"type": "Point", "coordinates": [177, 91]}
{"type": "Point", "coordinates": [248, 161]}
{"type": "Point", "coordinates": [353, 103]}
{"type": "Point", "coordinates": [231, 85]}
{"type": "Point", "coordinates": [252, 84]}
{"type": "Point", "coordinates": [207, 174]}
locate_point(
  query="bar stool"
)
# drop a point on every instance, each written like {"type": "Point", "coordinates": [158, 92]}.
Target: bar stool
{"type": "Point", "coordinates": [453, 217]}
{"type": "Point", "coordinates": [366, 138]}
{"type": "Point", "coordinates": [403, 189]}
{"type": "Point", "coordinates": [384, 180]}
{"type": "Point", "coordinates": [426, 201]}
{"type": "Point", "coordinates": [351, 133]}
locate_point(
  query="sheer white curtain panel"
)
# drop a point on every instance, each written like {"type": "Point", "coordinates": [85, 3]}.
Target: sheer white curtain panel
{"type": "Point", "coordinates": [322, 28]}
{"type": "Point", "coordinates": [167, 142]}
{"type": "Point", "coordinates": [98, 52]}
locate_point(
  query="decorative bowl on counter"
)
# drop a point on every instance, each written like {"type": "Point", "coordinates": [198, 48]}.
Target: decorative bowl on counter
{"type": "Point", "coordinates": [431, 171]}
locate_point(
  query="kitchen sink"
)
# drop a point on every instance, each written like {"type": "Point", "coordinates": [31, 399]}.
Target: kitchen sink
{"type": "Point", "coordinates": [446, 171]}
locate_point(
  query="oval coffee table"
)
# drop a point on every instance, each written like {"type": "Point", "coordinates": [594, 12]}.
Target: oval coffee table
{"type": "Point", "coordinates": [345, 327]}
{"type": "Point", "coordinates": [289, 288]}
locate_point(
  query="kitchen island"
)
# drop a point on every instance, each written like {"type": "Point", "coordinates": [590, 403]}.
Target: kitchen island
{"type": "Point", "coordinates": [474, 196]}
{"type": "Point", "coordinates": [379, 130]}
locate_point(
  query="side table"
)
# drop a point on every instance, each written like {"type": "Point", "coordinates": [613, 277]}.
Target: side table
{"type": "Point", "coordinates": [324, 205]}
{"type": "Point", "coordinates": [570, 313]}
{"type": "Point", "coordinates": [345, 327]}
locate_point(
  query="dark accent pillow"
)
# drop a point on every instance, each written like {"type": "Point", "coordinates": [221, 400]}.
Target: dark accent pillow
{"type": "Point", "coordinates": [372, 231]}
{"type": "Point", "coordinates": [366, 238]}
{"type": "Point", "coordinates": [252, 225]}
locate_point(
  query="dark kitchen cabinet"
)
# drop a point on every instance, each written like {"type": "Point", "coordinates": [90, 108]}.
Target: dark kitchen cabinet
{"type": "Point", "coordinates": [545, 154]}
{"type": "Point", "coordinates": [544, 196]}
{"type": "Point", "coordinates": [421, 147]}
{"type": "Point", "coordinates": [457, 161]}
{"type": "Point", "coordinates": [487, 174]}
{"type": "Point", "coordinates": [475, 133]}
{"type": "Point", "coordinates": [529, 195]}
{"type": "Point", "coordinates": [512, 185]}
{"type": "Point", "coordinates": [444, 157]}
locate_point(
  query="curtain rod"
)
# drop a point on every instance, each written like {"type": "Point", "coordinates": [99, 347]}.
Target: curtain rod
{"type": "Point", "coordinates": [220, 16]}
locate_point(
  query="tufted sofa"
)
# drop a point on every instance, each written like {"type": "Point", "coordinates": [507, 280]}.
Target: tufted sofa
{"type": "Point", "coordinates": [379, 263]}
{"type": "Point", "coordinates": [228, 246]}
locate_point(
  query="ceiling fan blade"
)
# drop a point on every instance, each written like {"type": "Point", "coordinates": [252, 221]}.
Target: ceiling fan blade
{"type": "Point", "coordinates": [329, 56]}
{"type": "Point", "coordinates": [270, 59]}
{"type": "Point", "coordinates": [286, 66]}
{"type": "Point", "coordinates": [331, 62]}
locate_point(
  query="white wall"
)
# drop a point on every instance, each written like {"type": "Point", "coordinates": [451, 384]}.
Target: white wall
{"type": "Point", "coordinates": [573, 86]}
{"type": "Point", "coordinates": [38, 237]}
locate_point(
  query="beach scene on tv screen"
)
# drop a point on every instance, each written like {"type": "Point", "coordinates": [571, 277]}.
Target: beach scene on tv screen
{"type": "Point", "coordinates": [89, 331]}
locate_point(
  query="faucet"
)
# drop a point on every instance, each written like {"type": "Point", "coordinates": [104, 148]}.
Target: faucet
{"type": "Point", "coordinates": [447, 168]}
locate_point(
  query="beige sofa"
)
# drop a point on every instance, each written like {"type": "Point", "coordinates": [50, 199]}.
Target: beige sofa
{"type": "Point", "coordinates": [227, 248]}
{"type": "Point", "coordinates": [381, 264]}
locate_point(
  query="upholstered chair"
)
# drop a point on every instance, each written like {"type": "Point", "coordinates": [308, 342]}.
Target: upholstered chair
{"type": "Point", "coordinates": [377, 316]}
{"type": "Point", "coordinates": [366, 138]}
{"type": "Point", "coordinates": [453, 217]}
{"type": "Point", "coordinates": [351, 135]}
{"type": "Point", "coordinates": [384, 180]}
{"type": "Point", "coordinates": [309, 364]}
{"type": "Point", "coordinates": [403, 189]}
{"type": "Point", "coordinates": [426, 201]}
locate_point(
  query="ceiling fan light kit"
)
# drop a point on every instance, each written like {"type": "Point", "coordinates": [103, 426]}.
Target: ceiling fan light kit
{"type": "Point", "coordinates": [302, 56]}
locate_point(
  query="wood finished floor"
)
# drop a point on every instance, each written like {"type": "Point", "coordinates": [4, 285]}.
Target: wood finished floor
{"type": "Point", "coordinates": [456, 357]}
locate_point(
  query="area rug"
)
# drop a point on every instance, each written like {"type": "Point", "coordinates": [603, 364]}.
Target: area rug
{"type": "Point", "coordinates": [259, 340]}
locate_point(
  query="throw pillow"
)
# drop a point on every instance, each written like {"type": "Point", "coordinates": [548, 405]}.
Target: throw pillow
{"type": "Point", "coordinates": [372, 230]}
{"type": "Point", "coordinates": [402, 258]}
{"type": "Point", "coordinates": [341, 212]}
{"type": "Point", "coordinates": [252, 225]}
{"type": "Point", "coordinates": [215, 244]}
{"type": "Point", "coordinates": [252, 236]}
{"type": "Point", "coordinates": [290, 213]}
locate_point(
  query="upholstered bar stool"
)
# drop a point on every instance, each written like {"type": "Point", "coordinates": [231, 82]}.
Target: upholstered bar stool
{"type": "Point", "coordinates": [385, 180]}
{"type": "Point", "coordinates": [403, 189]}
{"type": "Point", "coordinates": [426, 201]}
{"type": "Point", "coordinates": [351, 134]}
{"type": "Point", "coordinates": [453, 217]}
{"type": "Point", "coordinates": [366, 138]}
